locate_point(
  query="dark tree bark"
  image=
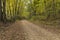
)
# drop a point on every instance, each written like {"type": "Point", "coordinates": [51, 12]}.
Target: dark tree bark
{"type": "Point", "coordinates": [0, 9]}
{"type": "Point", "coordinates": [4, 11]}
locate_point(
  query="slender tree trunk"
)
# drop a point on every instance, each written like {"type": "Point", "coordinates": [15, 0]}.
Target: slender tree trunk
{"type": "Point", "coordinates": [0, 9]}
{"type": "Point", "coordinates": [54, 9]}
{"type": "Point", "coordinates": [4, 10]}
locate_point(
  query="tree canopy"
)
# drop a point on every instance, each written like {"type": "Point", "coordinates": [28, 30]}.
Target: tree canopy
{"type": "Point", "coordinates": [29, 9]}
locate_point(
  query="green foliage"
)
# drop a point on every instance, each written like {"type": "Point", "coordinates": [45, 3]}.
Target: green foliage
{"type": "Point", "coordinates": [30, 9]}
{"type": "Point", "coordinates": [45, 9]}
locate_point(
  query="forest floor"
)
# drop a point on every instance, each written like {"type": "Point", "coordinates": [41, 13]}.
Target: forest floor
{"type": "Point", "coordinates": [25, 30]}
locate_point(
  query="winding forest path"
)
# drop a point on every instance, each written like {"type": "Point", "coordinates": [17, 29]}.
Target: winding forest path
{"type": "Point", "coordinates": [25, 30]}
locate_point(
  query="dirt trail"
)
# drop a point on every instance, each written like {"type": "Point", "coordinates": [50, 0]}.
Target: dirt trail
{"type": "Point", "coordinates": [25, 30]}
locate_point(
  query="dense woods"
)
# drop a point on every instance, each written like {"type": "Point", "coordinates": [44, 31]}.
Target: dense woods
{"type": "Point", "coordinates": [46, 10]}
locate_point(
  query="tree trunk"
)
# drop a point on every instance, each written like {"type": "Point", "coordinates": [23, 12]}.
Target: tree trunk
{"type": "Point", "coordinates": [0, 10]}
{"type": "Point", "coordinates": [4, 11]}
